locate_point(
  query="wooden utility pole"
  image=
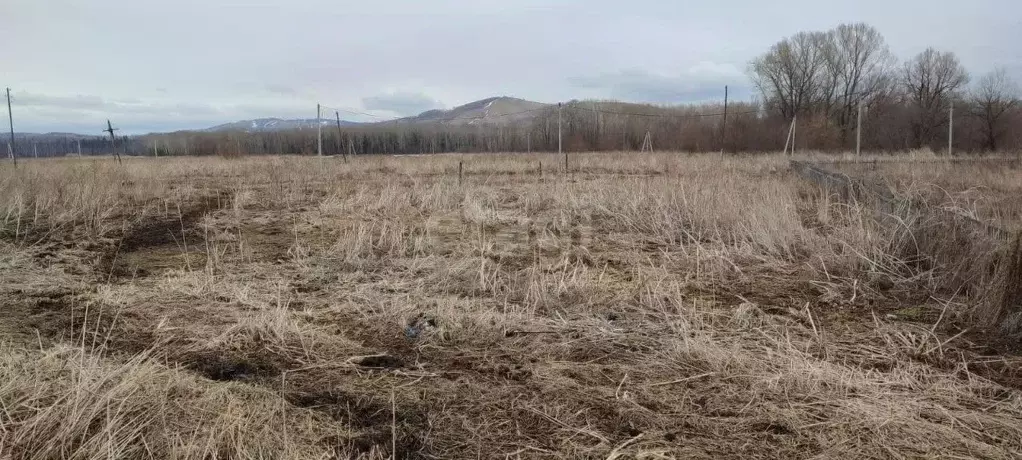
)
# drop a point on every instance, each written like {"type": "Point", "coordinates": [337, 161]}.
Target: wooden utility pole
{"type": "Point", "coordinates": [950, 126]}
{"type": "Point", "coordinates": [647, 142]}
{"type": "Point", "coordinates": [113, 140]}
{"type": "Point", "coordinates": [319, 131]}
{"type": "Point", "coordinates": [791, 138]}
{"type": "Point", "coordinates": [794, 123]}
{"type": "Point", "coordinates": [858, 131]}
{"type": "Point", "coordinates": [339, 145]}
{"type": "Point", "coordinates": [10, 117]}
{"type": "Point", "coordinates": [723, 127]}
{"type": "Point", "coordinates": [559, 150]}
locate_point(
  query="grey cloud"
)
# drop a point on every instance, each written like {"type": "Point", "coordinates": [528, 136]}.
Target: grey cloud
{"type": "Point", "coordinates": [34, 112]}
{"type": "Point", "coordinates": [402, 56]}
{"type": "Point", "coordinates": [64, 102]}
{"type": "Point", "coordinates": [401, 103]}
{"type": "Point", "coordinates": [80, 102]}
{"type": "Point", "coordinates": [281, 89]}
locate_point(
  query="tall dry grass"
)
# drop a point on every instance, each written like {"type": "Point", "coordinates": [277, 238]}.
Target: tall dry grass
{"type": "Point", "coordinates": [67, 402]}
{"type": "Point", "coordinates": [608, 311]}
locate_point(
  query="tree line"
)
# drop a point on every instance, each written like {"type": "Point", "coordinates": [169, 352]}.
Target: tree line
{"type": "Point", "coordinates": [819, 80]}
{"type": "Point", "coordinates": [824, 77]}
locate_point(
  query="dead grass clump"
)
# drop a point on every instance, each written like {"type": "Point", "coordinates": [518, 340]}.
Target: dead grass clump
{"type": "Point", "coordinates": [380, 240]}
{"type": "Point", "coordinates": [1003, 307]}
{"type": "Point", "coordinates": [67, 403]}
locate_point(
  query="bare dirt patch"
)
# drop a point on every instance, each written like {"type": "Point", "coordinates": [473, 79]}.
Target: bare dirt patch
{"type": "Point", "coordinates": [159, 243]}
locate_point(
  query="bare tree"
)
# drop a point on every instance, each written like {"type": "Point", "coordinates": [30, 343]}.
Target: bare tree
{"type": "Point", "coordinates": [931, 81]}
{"type": "Point", "coordinates": [793, 75]}
{"type": "Point", "coordinates": [861, 63]}
{"type": "Point", "coordinates": [993, 98]}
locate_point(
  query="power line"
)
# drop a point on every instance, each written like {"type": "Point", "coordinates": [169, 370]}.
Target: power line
{"type": "Point", "coordinates": [474, 117]}
{"type": "Point", "coordinates": [355, 112]}
{"type": "Point", "coordinates": [550, 107]}
{"type": "Point", "coordinates": [670, 115]}
{"type": "Point", "coordinates": [479, 117]}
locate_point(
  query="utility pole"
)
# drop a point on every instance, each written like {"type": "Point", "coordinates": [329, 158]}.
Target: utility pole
{"type": "Point", "coordinates": [790, 140]}
{"type": "Point", "coordinates": [79, 148]}
{"type": "Point", "coordinates": [113, 141]}
{"type": "Point", "coordinates": [858, 131]}
{"type": "Point", "coordinates": [319, 131]}
{"type": "Point", "coordinates": [339, 145]}
{"type": "Point", "coordinates": [723, 128]}
{"type": "Point", "coordinates": [950, 126]}
{"type": "Point", "coordinates": [647, 142]}
{"type": "Point", "coordinates": [794, 124]}
{"type": "Point", "coordinates": [10, 116]}
{"type": "Point", "coordinates": [560, 149]}
{"type": "Point", "coordinates": [35, 150]}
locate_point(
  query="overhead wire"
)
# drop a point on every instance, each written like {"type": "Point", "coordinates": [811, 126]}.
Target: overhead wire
{"type": "Point", "coordinates": [667, 115]}
{"type": "Point", "coordinates": [354, 112]}
{"type": "Point", "coordinates": [569, 107]}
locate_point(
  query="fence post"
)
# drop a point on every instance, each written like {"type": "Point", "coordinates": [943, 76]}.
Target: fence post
{"type": "Point", "coordinates": [459, 173]}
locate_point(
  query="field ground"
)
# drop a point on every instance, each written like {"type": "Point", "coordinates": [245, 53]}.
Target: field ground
{"type": "Point", "coordinates": [644, 306]}
{"type": "Point", "coordinates": [987, 189]}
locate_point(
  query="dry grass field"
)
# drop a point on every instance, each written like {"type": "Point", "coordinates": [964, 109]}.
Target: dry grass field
{"type": "Point", "coordinates": [989, 189]}
{"type": "Point", "coordinates": [647, 306]}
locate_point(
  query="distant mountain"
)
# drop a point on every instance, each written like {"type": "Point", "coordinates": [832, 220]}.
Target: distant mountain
{"type": "Point", "coordinates": [494, 110]}
{"type": "Point", "coordinates": [45, 137]}
{"type": "Point", "coordinates": [276, 124]}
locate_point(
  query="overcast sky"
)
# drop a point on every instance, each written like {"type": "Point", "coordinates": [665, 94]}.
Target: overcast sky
{"type": "Point", "coordinates": [154, 66]}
